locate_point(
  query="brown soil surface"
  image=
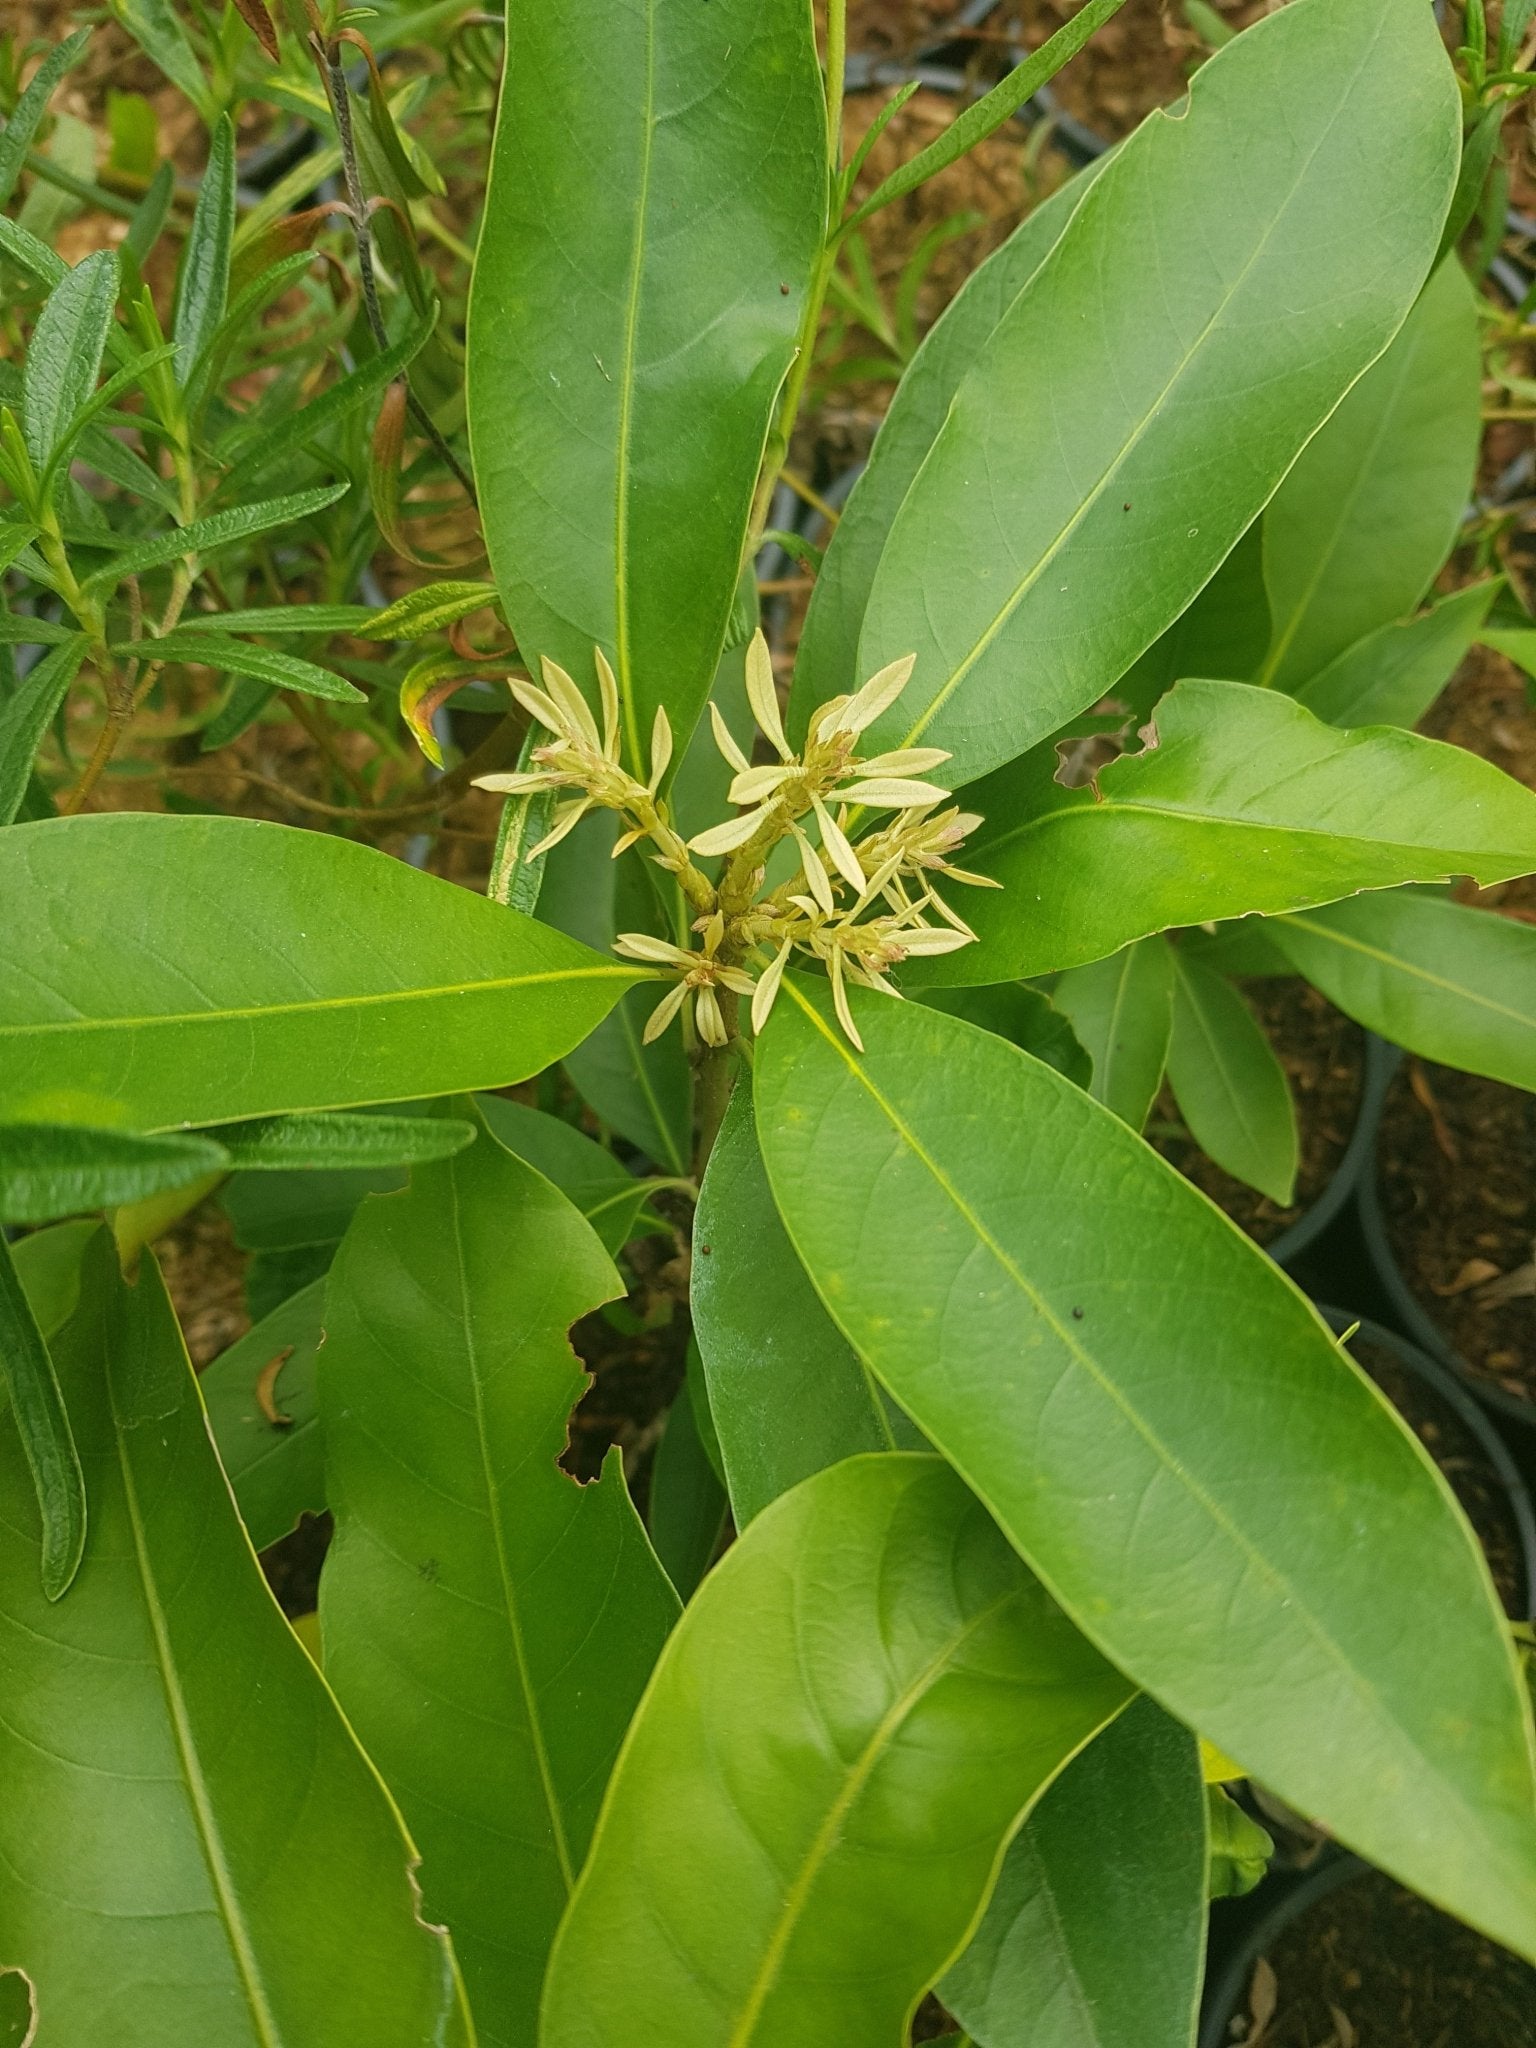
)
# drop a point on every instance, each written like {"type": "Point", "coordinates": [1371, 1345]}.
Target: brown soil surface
{"type": "Point", "coordinates": [1371, 1966]}
{"type": "Point", "coordinates": [1323, 1054]}
{"type": "Point", "coordinates": [205, 1277]}
{"type": "Point", "coordinates": [1458, 1184]}
{"type": "Point", "coordinates": [1465, 1464]}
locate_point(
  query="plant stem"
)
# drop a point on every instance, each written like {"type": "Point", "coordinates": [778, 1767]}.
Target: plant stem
{"type": "Point", "coordinates": [717, 1074]}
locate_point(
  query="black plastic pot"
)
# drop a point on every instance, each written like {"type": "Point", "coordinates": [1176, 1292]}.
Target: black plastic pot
{"type": "Point", "coordinates": [1450, 1391]}
{"type": "Point", "coordinates": [1352, 1169]}
{"type": "Point", "coordinates": [1407, 1309]}
{"type": "Point", "coordinates": [1252, 1926]}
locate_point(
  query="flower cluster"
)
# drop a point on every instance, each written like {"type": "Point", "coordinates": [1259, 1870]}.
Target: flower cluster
{"type": "Point", "coordinates": [860, 904]}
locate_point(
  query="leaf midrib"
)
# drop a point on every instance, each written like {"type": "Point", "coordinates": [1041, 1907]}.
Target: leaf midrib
{"type": "Point", "coordinates": [1408, 967]}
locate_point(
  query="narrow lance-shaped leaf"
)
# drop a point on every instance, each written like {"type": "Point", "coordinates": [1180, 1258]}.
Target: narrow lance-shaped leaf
{"type": "Point", "coordinates": [26, 715]}
{"type": "Point", "coordinates": [42, 1430]}
{"type": "Point", "coordinates": [657, 198]}
{"type": "Point", "coordinates": [1167, 1431]}
{"type": "Point", "coordinates": [1450, 984]}
{"type": "Point", "coordinates": [48, 1263]}
{"type": "Point", "coordinates": [1245, 803]}
{"type": "Point", "coordinates": [1138, 405]}
{"type": "Point", "coordinates": [18, 132]}
{"type": "Point", "coordinates": [1122, 1011]}
{"type": "Point", "coordinates": [1231, 1090]}
{"type": "Point", "coordinates": [859, 1703]}
{"type": "Point", "coordinates": [218, 530]}
{"type": "Point", "coordinates": [488, 1624]}
{"type": "Point", "coordinates": [245, 658]}
{"type": "Point", "coordinates": [302, 972]}
{"type": "Point", "coordinates": [246, 1869]}
{"type": "Point", "coordinates": [1095, 1935]}
{"type": "Point", "coordinates": [49, 1170]}
{"type": "Point", "coordinates": [1356, 533]}
{"type": "Point", "coordinates": [338, 1141]}
{"type": "Point", "coordinates": [64, 357]}
{"type": "Point", "coordinates": [202, 284]}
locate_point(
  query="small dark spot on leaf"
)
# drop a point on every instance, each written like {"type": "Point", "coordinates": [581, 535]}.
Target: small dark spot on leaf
{"type": "Point", "coordinates": [705, 1250]}
{"type": "Point", "coordinates": [1077, 1315]}
{"type": "Point", "coordinates": [783, 291]}
{"type": "Point", "coordinates": [1127, 505]}
{"type": "Point", "coordinates": [429, 1569]}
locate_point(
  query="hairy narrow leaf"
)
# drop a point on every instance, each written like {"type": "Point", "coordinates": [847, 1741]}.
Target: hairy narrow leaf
{"type": "Point", "coordinates": [431, 609]}
{"type": "Point", "coordinates": [1145, 369]}
{"type": "Point", "coordinates": [49, 1170]}
{"type": "Point", "coordinates": [218, 530]}
{"type": "Point", "coordinates": [245, 1873]}
{"type": "Point", "coordinates": [64, 355]}
{"type": "Point", "coordinates": [1392, 676]}
{"type": "Point", "coordinates": [656, 202]}
{"type": "Point", "coordinates": [1356, 533]}
{"type": "Point", "coordinates": [1246, 803]}
{"type": "Point", "coordinates": [1231, 1090]}
{"type": "Point", "coordinates": [26, 715]}
{"type": "Point", "coordinates": [1170, 1436]}
{"type": "Point", "coordinates": [492, 1695]}
{"type": "Point", "coordinates": [156, 27]}
{"type": "Point", "coordinates": [859, 1703]}
{"type": "Point", "coordinates": [246, 658]}
{"type": "Point", "coordinates": [18, 132]}
{"type": "Point", "coordinates": [264, 1414]}
{"type": "Point", "coordinates": [1095, 1935]}
{"type": "Point", "coordinates": [1451, 984]}
{"type": "Point", "coordinates": [302, 972]}
{"type": "Point", "coordinates": [202, 283]}
{"type": "Point", "coordinates": [788, 1393]}
{"type": "Point", "coordinates": [260, 447]}
{"type": "Point", "coordinates": [1121, 1010]}
{"type": "Point", "coordinates": [42, 1431]}
{"type": "Point", "coordinates": [337, 1140]}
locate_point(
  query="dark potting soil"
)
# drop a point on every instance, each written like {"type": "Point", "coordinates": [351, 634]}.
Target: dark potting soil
{"type": "Point", "coordinates": [1371, 1966]}
{"type": "Point", "coordinates": [1458, 1190]}
{"type": "Point", "coordinates": [1323, 1054]}
{"type": "Point", "coordinates": [1462, 1459]}
{"type": "Point", "coordinates": [292, 1565]}
{"type": "Point", "coordinates": [636, 1351]}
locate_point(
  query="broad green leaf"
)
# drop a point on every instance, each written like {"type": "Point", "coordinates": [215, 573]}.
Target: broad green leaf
{"type": "Point", "coordinates": [1095, 1935]}
{"type": "Point", "coordinates": [1168, 1432]}
{"type": "Point", "coordinates": [1121, 1010]}
{"type": "Point", "coordinates": [246, 658]}
{"type": "Point", "coordinates": [488, 1625]}
{"type": "Point", "coordinates": [657, 197]}
{"type": "Point", "coordinates": [300, 972]}
{"type": "Point", "coordinates": [988, 114]}
{"type": "Point", "coordinates": [861, 1701]}
{"type": "Point", "coordinates": [338, 1141]}
{"type": "Point", "coordinates": [284, 1212]}
{"type": "Point", "coordinates": [264, 1414]}
{"type": "Point", "coordinates": [218, 530]}
{"type": "Point", "coordinates": [1246, 803]}
{"type": "Point", "coordinates": [49, 1170]}
{"type": "Point", "coordinates": [1354, 536]}
{"type": "Point", "coordinates": [64, 356]}
{"type": "Point", "coordinates": [48, 1263]}
{"type": "Point", "coordinates": [246, 1869]}
{"type": "Point", "coordinates": [202, 283]}
{"type": "Point", "coordinates": [826, 663]}
{"type": "Point", "coordinates": [42, 1430]}
{"type": "Point", "coordinates": [606, 1192]}
{"type": "Point", "coordinates": [17, 135]}
{"type": "Point", "coordinates": [1145, 368]}
{"type": "Point", "coordinates": [1230, 1088]}
{"type": "Point", "coordinates": [687, 1502]}
{"type": "Point", "coordinates": [1451, 984]}
{"type": "Point", "coordinates": [1025, 1017]}
{"type": "Point", "coordinates": [1223, 633]}
{"type": "Point", "coordinates": [788, 1393]}
{"type": "Point", "coordinates": [1393, 675]}
{"type": "Point", "coordinates": [26, 715]}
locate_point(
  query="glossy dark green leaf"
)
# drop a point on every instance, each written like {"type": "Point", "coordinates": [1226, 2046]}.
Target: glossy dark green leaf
{"type": "Point", "coordinates": [1121, 1010]}
{"type": "Point", "coordinates": [606, 1192]}
{"type": "Point", "coordinates": [1231, 1090]}
{"type": "Point", "coordinates": [1247, 802]}
{"type": "Point", "coordinates": [859, 1703]}
{"type": "Point", "coordinates": [657, 199]}
{"type": "Point", "coordinates": [1095, 1935]}
{"type": "Point", "coordinates": [1224, 633]}
{"type": "Point", "coordinates": [688, 1503]}
{"type": "Point", "coordinates": [788, 1393]}
{"type": "Point", "coordinates": [26, 715]}
{"type": "Point", "coordinates": [284, 1212]}
{"type": "Point", "coordinates": [1392, 676]}
{"type": "Point", "coordinates": [1168, 1432]}
{"type": "Point", "coordinates": [1451, 984]}
{"type": "Point", "coordinates": [301, 972]}
{"type": "Point", "coordinates": [1144, 368]}
{"type": "Point", "coordinates": [219, 530]}
{"type": "Point", "coordinates": [49, 1170]}
{"type": "Point", "coordinates": [202, 283]}
{"type": "Point", "coordinates": [826, 663]}
{"type": "Point", "coordinates": [337, 1141]}
{"type": "Point", "coordinates": [488, 1624]}
{"type": "Point", "coordinates": [64, 355]}
{"type": "Point", "coordinates": [246, 658]}
{"type": "Point", "coordinates": [1355, 534]}
{"type": "Point", "coordinates": [246, 1869]}
{"type": "Point", "coordinates": [17, 135]}
{"type": "Point", "coordinates": [264, 1414]}
{"type": "Point", "coordinates": [42, 1428]}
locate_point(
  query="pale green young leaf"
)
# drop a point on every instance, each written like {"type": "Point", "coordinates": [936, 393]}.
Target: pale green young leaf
{"type": "Point", "coordinates": [245, 1873]}
{"type": "Point", "coordinates": [1355, 534]}
{"type": "Point", "coordinates": [17, 135]}
{"type": "Point", "coordinates": [246, 658]}
{"type": "Point", "coordinates": [1392, 676]}
{"type": "Point", "coordinates": [1245, 803]}
{"type": "Point", "coordinates": [859, 1703]}
{"type": "Point", "coordinates": [1231, 1090]}
{"type": "Point", "coordinates": [42, 1433]}
{"type": "Point", "coordinates": [1095, 1935]}
{"type": "Point", "coordinates": [29, 711]}
{"type": "Point", "coordinates": [492, 1697]}
{"type": "Point", "coordinates": [64, 355]}
{"type": "Point", "coordinates": [1144, 369]}
{"type": "Point", "coordinates": [300, 972]}
{"type": "Point", "coordinates": [202, 283]}
{"type": "Point", "coordinates": [431, 609]}
{"type": "Point", "coordinates": [1121, 1010]}
{"type": "Point", "coordinates": [658, 193]}
{"type": "Point", "coordinates": [218, 530]}
{"type": "Point", "coordinates": [1451, 984]}
{"type": "Point", "coordinates": [1170, 1435]}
